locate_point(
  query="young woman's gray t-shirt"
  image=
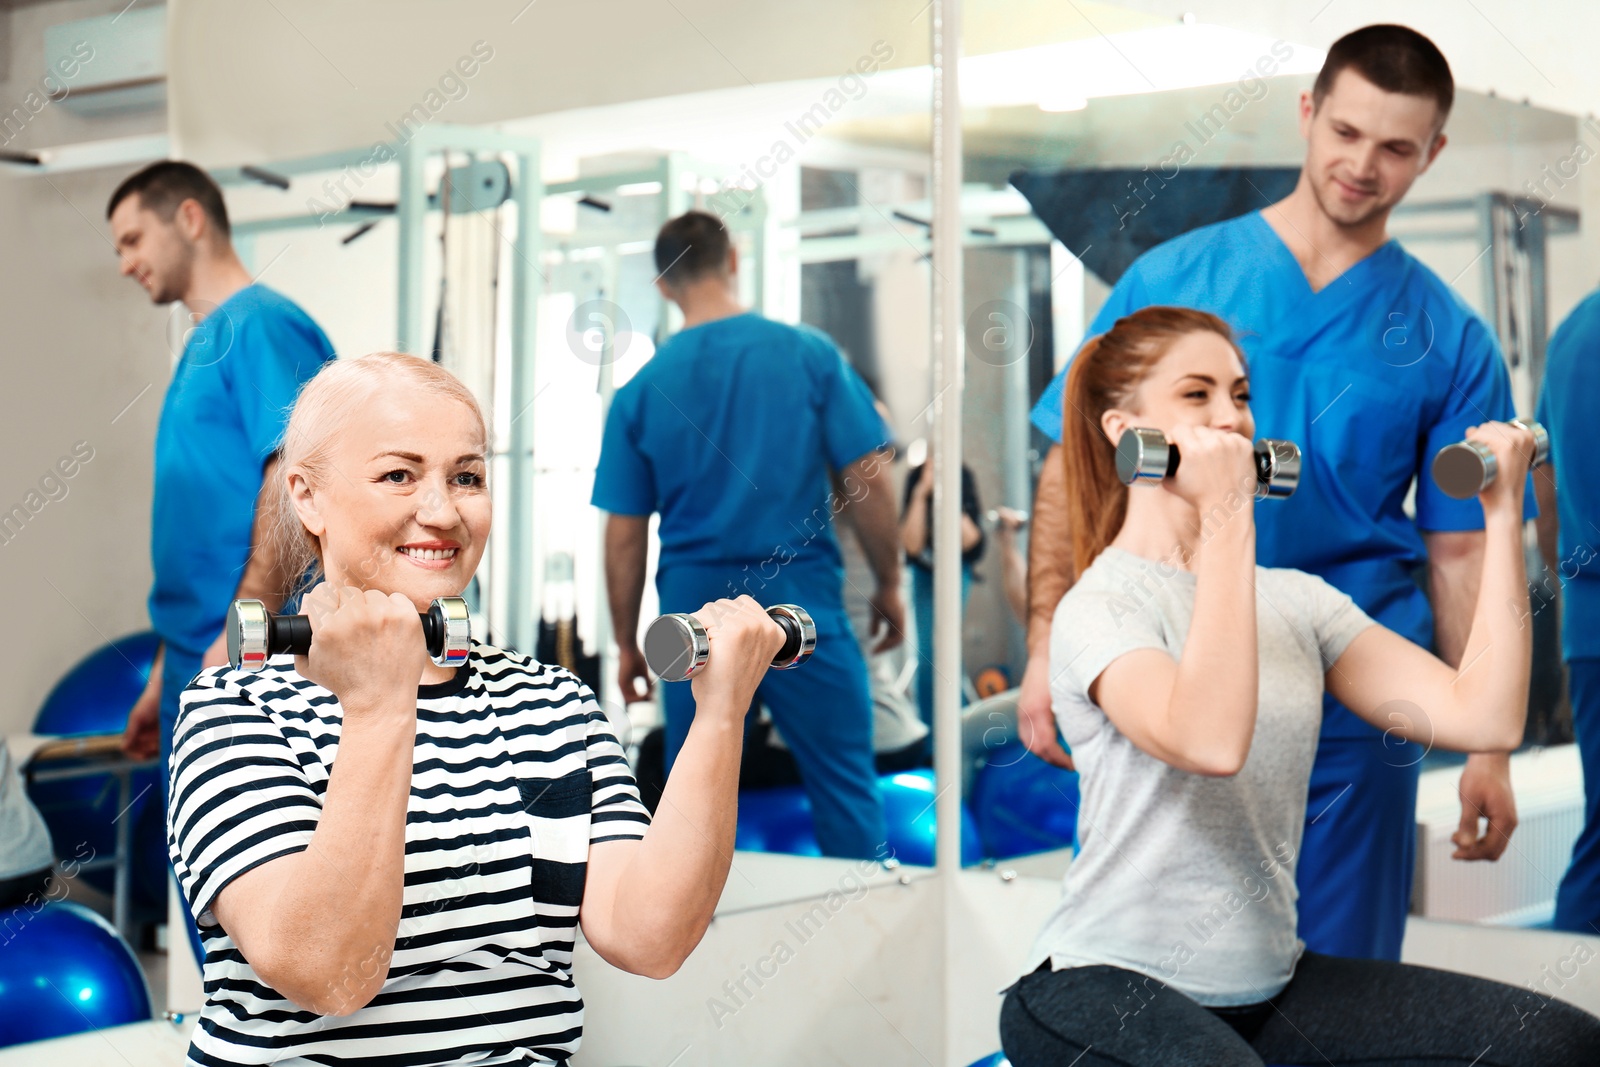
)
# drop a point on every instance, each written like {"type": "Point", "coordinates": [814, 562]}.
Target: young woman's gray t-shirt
{"type": "Point", "coordinates": [1184, 878]}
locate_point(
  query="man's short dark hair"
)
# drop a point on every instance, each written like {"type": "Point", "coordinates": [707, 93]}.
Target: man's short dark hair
{"type": "Point", "coordinates": [1397, 59]}
{"type": "Point", "coordinates": [161, 187]}
{"type": "Point", "coordinates": [690, 247]}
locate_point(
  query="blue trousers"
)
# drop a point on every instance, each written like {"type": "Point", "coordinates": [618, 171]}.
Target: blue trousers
{"type": "Point", "coordinates": [1357, 855]}
{"type": "Point", "coordinates": [178, 670]}
{"type": "Point", "coordinates": [823, 709]}
{"type": "Point", "coordinates": [1578, 897]}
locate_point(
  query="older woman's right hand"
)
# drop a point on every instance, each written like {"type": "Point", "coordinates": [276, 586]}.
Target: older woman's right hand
{"type": "Point", "coordinates": [365, 645]}
{"type": "Point", "coordinates": [743, 641]}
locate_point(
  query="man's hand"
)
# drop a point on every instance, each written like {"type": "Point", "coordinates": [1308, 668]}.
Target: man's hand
{"type": "Point", "coordinates": [1036, 719]}
{"type": "Point", "coordinates": [142, 738]}
{"type": "Point", "coordinates": [633, 677]}
{"type": "Point", "coordinates": [1009, 520]}
{"type": "Point", "coordinates": [1485, 791]}
{"type": "Point", "coordinates": [888, 619]}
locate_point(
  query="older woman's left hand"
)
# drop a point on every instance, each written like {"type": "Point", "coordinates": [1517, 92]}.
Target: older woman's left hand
{"type": "Point", "coordinates": [744, 640]}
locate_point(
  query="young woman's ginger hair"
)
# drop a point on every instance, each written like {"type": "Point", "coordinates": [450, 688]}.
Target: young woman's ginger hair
{"type": "Point", "coordinates": [1105, 374]}
{"type": "Point", "coordinates": [321, 412]}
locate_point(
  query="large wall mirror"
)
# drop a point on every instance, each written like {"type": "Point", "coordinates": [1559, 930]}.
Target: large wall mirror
{"type": "Point", "coordinates": [1078, 159]}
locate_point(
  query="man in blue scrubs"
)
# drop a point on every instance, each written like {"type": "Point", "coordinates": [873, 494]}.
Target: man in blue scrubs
{"type": "Point", "coordinates": [243, 363]}
{"type": "Point", "coordinates": [1569, 408]}
{"type": "Point", "coordinates": [734, 432]}
{"type": "Point", "coordinates": [1371, 363]}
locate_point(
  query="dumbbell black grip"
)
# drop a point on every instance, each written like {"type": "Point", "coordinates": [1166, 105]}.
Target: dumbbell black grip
{"type": "Point", "coordinates": [292, 634]}
{"type": "Point", "coordinates": [677, 646]}
{"type": "Point", "coordinates": [255, 634]}
{"type": "Point", "coordinates": [794, 639]}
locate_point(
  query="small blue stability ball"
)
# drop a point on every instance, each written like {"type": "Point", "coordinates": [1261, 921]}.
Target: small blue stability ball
{"type": "Point", "coordinates": [1023, 804]}
{"type": "Point", "coordinates": [776, 820]}
{"type": "Point", "coordinates": [779, 820]}
{"type": "Point", "coordinates": [64, 970]}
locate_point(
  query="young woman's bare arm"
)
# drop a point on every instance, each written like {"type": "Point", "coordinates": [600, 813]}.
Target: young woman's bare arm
{"type": "Point", "coordinates": [1198, 713]}
{"type": "Point", "coordinates": [1480, 707]}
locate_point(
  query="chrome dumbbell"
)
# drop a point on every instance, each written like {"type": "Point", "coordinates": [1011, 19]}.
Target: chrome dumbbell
{"type": "Point", "coordinates": [1467, 468]}
{"type": "Point", "coordinates": [255, 634]}
{"type": "Point", "coordinates": [1145, 455]}
{"type": "Point", "coordinates": [677, 646]}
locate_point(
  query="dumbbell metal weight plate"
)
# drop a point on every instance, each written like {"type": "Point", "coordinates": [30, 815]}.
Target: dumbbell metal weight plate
{"type": "Point", "coordinates": [255, 634]}
{"type": "Point", "coordinates": [1467, 468]}
{"type": "Point", "coordinates": [677, 646]}
{"type": "Point", "coordinates": [1145, 455]}
{"type": "Point", "coordinates": [1277, 469]}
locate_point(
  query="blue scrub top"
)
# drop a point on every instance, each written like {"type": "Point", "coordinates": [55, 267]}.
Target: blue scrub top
{"type": "Point", "coordinates": [1370, 376]}
{"type": "Point", "coordinates": [730, 432]}
{"type": "Point", "coordinates": [224, 414]}
{"type": "Point", "coordinates": [1569, 407]}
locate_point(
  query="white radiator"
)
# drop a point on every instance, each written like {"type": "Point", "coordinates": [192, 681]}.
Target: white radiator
{"type": "Point", "coordinates": [1519, 889]}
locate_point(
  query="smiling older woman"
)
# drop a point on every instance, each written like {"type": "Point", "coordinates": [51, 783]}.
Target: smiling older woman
{"type": "Point", "coordinates": [389, 859]}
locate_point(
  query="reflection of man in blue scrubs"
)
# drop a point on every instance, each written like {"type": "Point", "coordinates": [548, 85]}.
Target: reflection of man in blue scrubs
{"type": "Point", "coordinates": [734, 431]}
{"type": "Point", "coordinates": [1371, 363]}
{"type": "Point", "coordinates": [242, 365]}
{"type": "Point", "coordinates": [1569, 538]}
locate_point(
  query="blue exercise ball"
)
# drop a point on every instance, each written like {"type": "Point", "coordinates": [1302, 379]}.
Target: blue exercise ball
{"type": "Point", "coordinates": [1023, 804]}
{"type": "Point", "coordinates": [64, 970]}
{"type": "Point", "coordinates": [997, 1060]}
{"type": "Point", "coordinates": [776, 820]}
{"type": "Point", "coordinates": [779, 820]}
{"type": "Point", "coordinates": [908, 812]}
{"type": "Point", "coordinates": [94, 697]}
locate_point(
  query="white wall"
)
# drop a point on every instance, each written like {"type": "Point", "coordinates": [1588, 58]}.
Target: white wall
{"type": "Point", "coordinates": [23, 68]}
{"type": "Point", "coordinates": [318, 77]}
{"type": "Point", "coordinates": [1521, 50]}
{"type": "Point", "coordinates": [82, 345]}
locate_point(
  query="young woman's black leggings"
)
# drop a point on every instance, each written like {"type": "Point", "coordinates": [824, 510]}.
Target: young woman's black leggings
{"type": "Point", "coordinates": [1335, 1011]}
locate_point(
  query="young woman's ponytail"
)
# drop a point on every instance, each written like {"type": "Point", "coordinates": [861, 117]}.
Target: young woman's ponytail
{"type": "Point", "coordinates": [1105, 374]}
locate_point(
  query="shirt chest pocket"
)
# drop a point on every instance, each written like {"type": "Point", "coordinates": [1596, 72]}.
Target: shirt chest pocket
{"type": "Point", "coordinates": [557, 811]}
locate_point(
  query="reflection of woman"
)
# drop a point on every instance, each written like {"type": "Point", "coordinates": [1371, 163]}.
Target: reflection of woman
{"type": "Point", "coordinates": [1188, 682]}
{"type": "Point", "coordinates": [916, 536]}
{"type": "Point", "coordinates": [417, 900]}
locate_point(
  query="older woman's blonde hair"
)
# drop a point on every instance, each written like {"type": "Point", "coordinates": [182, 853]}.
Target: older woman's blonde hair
{"type": "Point", "coordinates": [321, 413]}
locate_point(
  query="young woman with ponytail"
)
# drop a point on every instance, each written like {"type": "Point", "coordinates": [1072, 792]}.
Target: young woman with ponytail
{"type": "Point", "coordinates": [1188, 682]}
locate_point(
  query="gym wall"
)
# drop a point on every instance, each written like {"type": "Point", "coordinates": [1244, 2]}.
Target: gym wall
{"type": "Point", "coordinates": [80, 344]}
{"type": "Point", "coordinates": [86, 360]}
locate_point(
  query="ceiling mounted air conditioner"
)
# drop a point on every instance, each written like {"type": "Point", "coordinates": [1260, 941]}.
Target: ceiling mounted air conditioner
{"type": "Point", "coordinates": [111, 65]}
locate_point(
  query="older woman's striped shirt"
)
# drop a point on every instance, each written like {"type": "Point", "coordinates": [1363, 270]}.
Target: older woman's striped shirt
{"type": "Point", "coordinates": [515, 775]}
